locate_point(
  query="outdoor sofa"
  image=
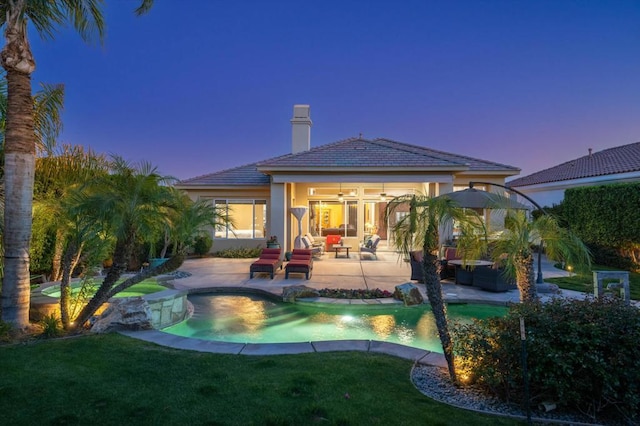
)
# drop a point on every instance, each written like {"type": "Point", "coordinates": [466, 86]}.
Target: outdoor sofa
{"type": "Point", "coordinates": [492, 279]}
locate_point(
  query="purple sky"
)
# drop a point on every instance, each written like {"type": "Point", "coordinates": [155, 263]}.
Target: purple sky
{"type": "Point", "coordinates": [202, 85]}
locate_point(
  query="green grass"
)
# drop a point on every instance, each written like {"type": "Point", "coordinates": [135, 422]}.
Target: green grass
{"type": "Point", "coordinates": [147, 286]}
{"type": "Point", "coordinates": [584, 282]}
{"type": "Point", "coordinates": [115, 380]}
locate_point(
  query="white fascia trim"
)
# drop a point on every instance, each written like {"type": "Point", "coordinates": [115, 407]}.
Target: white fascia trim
{"type": "Point", "coordinates": [362, 178]}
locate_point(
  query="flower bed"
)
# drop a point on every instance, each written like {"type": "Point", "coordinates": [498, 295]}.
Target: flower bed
{"type": "Point", "coordinates": [340, 293]}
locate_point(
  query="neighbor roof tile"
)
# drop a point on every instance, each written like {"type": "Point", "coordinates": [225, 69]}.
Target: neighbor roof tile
{"type": "Point", "coordinates": [621, 159]}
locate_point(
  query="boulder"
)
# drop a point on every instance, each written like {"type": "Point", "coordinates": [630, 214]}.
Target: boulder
{"type": "Point", "coordinates": [291, 293]}
{"type": "Point", "coordinates": [409, 294]}
{"type": "Point", "coordinates": [131, 313]}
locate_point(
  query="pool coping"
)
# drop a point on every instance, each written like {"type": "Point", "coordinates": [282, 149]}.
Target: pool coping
{"type": "Point", "coordinates": [417, 355]}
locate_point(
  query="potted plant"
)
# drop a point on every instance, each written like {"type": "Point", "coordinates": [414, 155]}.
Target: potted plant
{"type": "Point", "coordinates": [272, 242]}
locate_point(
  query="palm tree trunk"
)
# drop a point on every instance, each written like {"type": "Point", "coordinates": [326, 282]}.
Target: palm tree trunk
{"type": "Point", "coordinates": [18, 180]}
{"type": "Point", "coordinates": [438, 307]}
{"type": "Point", "coordinates": [65, 288]}
{"type": "Point", "coordinates": [122, 252]}
{"type": "Point", "coordinates": [70, 261]}
{"type": "Point", "coordinates": [525, 278]}
{"type": "Point", "coordinates": [57, 267]}
{"type": "Point", "coordinates": [19, 167]}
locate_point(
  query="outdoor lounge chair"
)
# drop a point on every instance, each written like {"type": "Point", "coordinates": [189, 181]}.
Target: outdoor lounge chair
{"type": "Point", "coordinates": [314, 242]}
{"type": "Point", "coordinates": [268, 262]}
{"type": "Point", "coordinates": [301, 263]}
{"type": "Point", "coordinates": [316, 250]}
{"type": "Point", "coordinates": [371, 246]}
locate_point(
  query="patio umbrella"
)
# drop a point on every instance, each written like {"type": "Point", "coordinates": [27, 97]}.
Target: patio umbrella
{"type": "Point", "coordinates": [472, 198]}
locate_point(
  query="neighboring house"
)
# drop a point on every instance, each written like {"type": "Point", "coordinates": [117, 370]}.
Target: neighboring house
{"type": "Point", "coordinates": [344, 185]}
{"type": "Point", "coordinates": [614, 165]}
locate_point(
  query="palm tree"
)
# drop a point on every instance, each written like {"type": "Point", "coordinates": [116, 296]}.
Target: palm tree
{"type": "Point", "coordinates": [188, 219]}
{"type": "Point", "coordinates": [511, 247]}
{"type": "Point", "coordinates": [19, 147]}
{"type": "Point", "coordinates": [57, 176]}
{"type": "Point", "coordinates": [421, 228]}
{"type": "Point", "coordinates": [129, 204]}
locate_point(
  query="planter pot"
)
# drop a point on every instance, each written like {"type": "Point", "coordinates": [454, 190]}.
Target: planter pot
{"type": "Point", "coordinates": [153, 263]}
{"type": "Point", "coordinates": [273, 245]}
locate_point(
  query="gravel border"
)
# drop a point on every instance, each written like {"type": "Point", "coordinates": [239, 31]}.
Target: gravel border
{"type": "Point", "coordinates": [434, 382]}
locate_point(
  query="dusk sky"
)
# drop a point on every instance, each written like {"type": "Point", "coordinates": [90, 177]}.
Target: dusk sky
{"type": "Point", "coordinates": [198, 86]}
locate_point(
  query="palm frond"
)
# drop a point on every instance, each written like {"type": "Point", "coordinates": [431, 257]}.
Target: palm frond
{"type": "Point", "coordinates": [48, 106]}
{"type": "Point", "coordinates": [144, 7]}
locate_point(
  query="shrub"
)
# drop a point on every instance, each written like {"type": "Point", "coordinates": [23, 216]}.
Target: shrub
{"type": "Point", "coordinates": [5, 332]}
{"type": "Point", "coordinates": [581, 354]}
{"type": "Point", "coordinates": [341, 293]}
{"type": "Point", "coordinates": [51, 326]}
{"type": "Point", "coordinates": [239, 253]}
{"type": "Point", "coordinates": [611, 256]}
{"type": "Point", "coordinates": [202, 244]}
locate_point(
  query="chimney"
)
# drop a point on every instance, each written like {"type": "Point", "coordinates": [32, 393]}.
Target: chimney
{"type": "Point", "coordinates": [589, 152]}
{"type": "Point", "coordinates": [300, 129]}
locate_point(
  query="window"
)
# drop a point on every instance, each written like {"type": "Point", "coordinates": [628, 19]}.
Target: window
{"type": "Point", "coordinates": [248, 219]}
{"type": "Point", "coordinates": [333, 217]}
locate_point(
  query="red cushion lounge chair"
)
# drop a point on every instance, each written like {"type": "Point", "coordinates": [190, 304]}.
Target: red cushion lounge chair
{"type": "Point", "coordinates": [301, 263]}
{"type": "Point", "coordinates": [268, 262]}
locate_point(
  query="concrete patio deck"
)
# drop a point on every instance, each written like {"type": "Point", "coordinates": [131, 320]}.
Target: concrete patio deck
{"type": "Point", "coordinates": [353, 272]}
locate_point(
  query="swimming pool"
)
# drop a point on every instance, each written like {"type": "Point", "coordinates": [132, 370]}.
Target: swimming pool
{"type": "Point", "coordinates": [253, 319]}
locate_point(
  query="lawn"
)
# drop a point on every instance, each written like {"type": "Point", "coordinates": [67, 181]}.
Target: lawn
{"type": "Point", "coordinates": [115, 380]}
{"type": "Point", "coordinates": [584, 282]}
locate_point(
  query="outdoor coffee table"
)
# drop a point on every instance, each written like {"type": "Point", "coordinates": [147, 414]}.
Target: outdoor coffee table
{"type": "Point", "coordinates": [340, 248]}
{"type": "Point", "coordinates": [464, 275]}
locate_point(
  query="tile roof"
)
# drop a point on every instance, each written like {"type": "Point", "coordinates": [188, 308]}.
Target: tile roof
{"type": "Point", "coordinates": [621, 159]}
{"type": "Point", "coordinates": [350, 154]}
{"type": "Point", "coordinates": [247, 175]}
{"type": "Point", "coordinates": [378, 153]}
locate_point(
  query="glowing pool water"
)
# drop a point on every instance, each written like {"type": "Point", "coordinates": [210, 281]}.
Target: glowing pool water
{"type": "Point", "coordinates": [252, 319]}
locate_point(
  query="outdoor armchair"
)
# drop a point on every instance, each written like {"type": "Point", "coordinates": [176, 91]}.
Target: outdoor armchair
{"type": "Point", "coordinates": [371, 246]}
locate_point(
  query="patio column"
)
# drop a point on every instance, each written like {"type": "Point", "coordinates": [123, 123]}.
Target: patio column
{"type": "Point", "coordinates": [278, 214]}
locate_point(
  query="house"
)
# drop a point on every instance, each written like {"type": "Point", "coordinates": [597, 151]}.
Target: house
{"type": "Point", "coordinates": [344, 186]}
{"type": "Point", "coordinates": [614, 165]}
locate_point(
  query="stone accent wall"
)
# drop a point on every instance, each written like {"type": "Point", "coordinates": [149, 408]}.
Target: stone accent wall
{"type": "Point", "coordinates": [167, 307]}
